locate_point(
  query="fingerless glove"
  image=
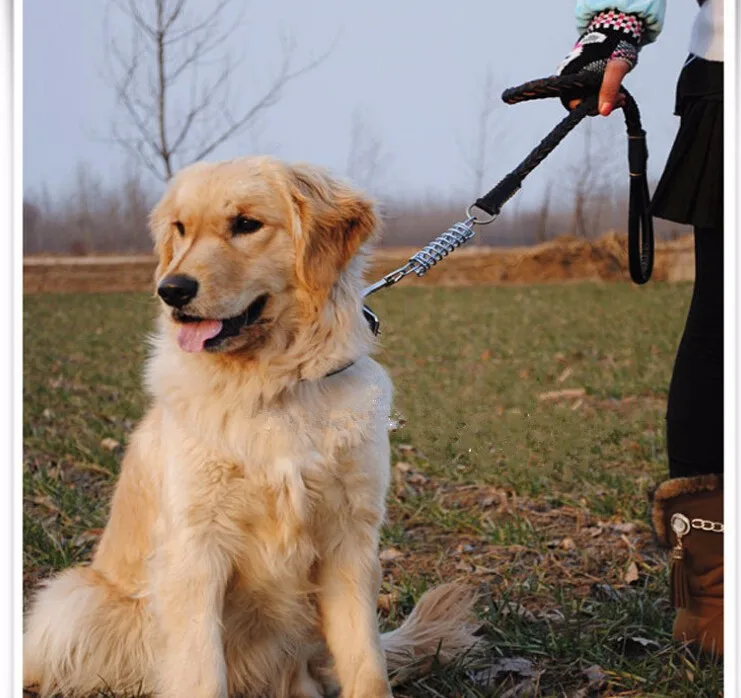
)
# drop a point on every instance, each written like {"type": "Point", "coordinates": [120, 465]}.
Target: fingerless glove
{"type": "Point", "coordinates": [610, 35]}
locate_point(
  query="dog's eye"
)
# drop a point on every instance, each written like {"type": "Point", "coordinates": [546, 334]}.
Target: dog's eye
{"type": "Point", "coordinates": [180, 227]}
{"type": "Point", "coordinates": [241, 225]}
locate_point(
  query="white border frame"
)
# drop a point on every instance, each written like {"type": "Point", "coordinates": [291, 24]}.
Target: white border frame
{"type": "Point", "coordinates": [11, 477]}
{"type": "Point", "coordinates": [731, 265]}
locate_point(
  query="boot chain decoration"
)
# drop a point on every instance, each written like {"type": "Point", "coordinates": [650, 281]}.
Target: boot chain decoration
{"type": "Point", "coordinates": [681, 526]}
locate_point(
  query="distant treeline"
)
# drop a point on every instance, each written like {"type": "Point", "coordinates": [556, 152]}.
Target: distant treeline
{"type": "Point", "coordinates": [94, 218]}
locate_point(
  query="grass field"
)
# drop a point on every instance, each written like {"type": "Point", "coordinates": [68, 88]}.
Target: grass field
{"type": "Point", "coordinates": [530, 428]}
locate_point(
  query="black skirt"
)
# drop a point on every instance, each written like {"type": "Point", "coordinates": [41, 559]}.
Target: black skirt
{"type": "Point", "coordinates": [690, 190]}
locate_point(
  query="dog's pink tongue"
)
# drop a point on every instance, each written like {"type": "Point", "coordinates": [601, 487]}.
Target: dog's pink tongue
{"type": "Point", "coordinates": [193, 335]}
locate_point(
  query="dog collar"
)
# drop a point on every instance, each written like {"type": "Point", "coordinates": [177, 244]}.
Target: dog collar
{"type": "Point", "coordinates": [339, 370]}
{"type": "Point", "coordinates": [375, 326]}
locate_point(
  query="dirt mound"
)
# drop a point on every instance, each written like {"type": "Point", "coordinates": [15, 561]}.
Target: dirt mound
{"type": "Point", "coordinates": [572, 258]}
{"type": "Point", "coordinates": [562, 259]}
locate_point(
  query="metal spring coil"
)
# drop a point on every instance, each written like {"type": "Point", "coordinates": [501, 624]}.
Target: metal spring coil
{"type": "Point", "coordinates": [442, 246]}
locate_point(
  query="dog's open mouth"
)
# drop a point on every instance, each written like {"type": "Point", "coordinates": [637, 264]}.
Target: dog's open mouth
{"type": "Point", "coordinates": [197, 333]}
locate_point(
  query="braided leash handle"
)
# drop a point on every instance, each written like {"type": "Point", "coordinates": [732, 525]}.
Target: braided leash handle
{"type": "Point", "coordinates": [585, 86]}
{"type": "Point", "coordinates": [578, 85]}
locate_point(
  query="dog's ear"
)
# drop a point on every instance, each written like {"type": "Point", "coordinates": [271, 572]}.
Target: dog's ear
{"type": "Point", "coordinates": [160, 228]}
{"type": "Point", "coordinates": [335, 221]}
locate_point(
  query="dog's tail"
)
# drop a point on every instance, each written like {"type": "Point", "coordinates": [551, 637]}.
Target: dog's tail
{"type": "Point", "coordinates": [84, 635]}
{"type": "Point", "coordinates": [440, 628]}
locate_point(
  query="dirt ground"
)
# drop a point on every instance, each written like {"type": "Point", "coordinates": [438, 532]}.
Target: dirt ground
{"type": "Point", "coordinates": [562, 259]}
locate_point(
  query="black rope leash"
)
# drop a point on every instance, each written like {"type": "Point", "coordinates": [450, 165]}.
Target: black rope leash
{"type": "Point", "coordinates": [640, 223]}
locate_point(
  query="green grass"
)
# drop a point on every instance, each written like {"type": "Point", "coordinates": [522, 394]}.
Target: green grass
{"type": "Point", "coordinates": [538, 499]}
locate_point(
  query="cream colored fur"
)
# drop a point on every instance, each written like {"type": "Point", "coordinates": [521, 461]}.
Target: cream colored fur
{"type": "Point", "coordinates": [240, 555]}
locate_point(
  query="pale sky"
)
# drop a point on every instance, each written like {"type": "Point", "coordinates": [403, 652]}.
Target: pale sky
{"type": "Point", "coordinates": [412, 68]}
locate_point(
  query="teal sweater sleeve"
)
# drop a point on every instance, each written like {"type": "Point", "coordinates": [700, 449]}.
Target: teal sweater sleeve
{"type": "Point", "coordinates": [650, 11]}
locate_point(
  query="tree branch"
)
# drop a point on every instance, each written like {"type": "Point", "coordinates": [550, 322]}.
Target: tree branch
{"type": "Point", "coordinates": [168, 48]}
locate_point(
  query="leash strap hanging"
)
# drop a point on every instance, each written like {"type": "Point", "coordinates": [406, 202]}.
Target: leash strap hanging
{"type": "Point", "coordinates": [640, 220]}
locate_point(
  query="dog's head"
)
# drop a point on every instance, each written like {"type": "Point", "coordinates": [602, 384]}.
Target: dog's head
{"type": "Point", "coordinates": [244, 243]}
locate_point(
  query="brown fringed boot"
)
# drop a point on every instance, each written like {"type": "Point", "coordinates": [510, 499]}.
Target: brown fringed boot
{"type": "Point", "coordinates": [688, 518]}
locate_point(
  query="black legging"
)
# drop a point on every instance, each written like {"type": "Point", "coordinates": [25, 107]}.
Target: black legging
{"type": "Point", "coordinates": [694, 415]}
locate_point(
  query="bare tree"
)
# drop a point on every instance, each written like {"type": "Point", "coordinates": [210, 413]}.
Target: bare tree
{"type": "Point", "coordinates": [541, 231]}
{"type": "Point", "coordinates": [583, 182]}
{"type": "Point", "coordinates": [366, 159]}
{"type": "Point", "coordinates": [174, 83]}
{"type": "Point", "coordinates": [32, 231]}
{"type": "Point", "coordinates": [87, 193]}
{"type": "Point", "coordinates": [477, 152]}
{"type": "Point", "coordinates": [91, 216]}
{"type": "Point", "coordinates": [593, 175]}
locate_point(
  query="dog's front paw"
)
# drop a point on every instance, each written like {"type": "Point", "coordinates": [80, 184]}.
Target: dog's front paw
{"type": "Point", "coordinates": [194, 684]}
{"type": "Point", "coordinates": [380, 690]}
{"type": "Point", "coordinates": [369, 685]}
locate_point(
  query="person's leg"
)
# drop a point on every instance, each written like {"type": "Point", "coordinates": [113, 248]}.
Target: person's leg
{"type": "Point", "coordinates": [694, 417]}
{"type": "Point", "coordinates": [688, 508]}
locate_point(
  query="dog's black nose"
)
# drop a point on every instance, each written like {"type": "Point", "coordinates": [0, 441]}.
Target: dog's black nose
{"type": "Point", "coordinates": [177, 290]}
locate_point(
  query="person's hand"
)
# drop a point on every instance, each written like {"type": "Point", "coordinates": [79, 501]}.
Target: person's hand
{"type": "Point", "coordinates": [610, 97]}
{"type": "Point", "coordinates": [609, 47]}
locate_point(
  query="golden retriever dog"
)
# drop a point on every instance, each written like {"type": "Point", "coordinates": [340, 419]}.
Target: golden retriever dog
{"type": "Point", "coordinates": [241, 552]}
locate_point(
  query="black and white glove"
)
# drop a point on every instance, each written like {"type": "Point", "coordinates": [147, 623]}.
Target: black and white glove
{"type": "Point", "coordinates": [611, 35]}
